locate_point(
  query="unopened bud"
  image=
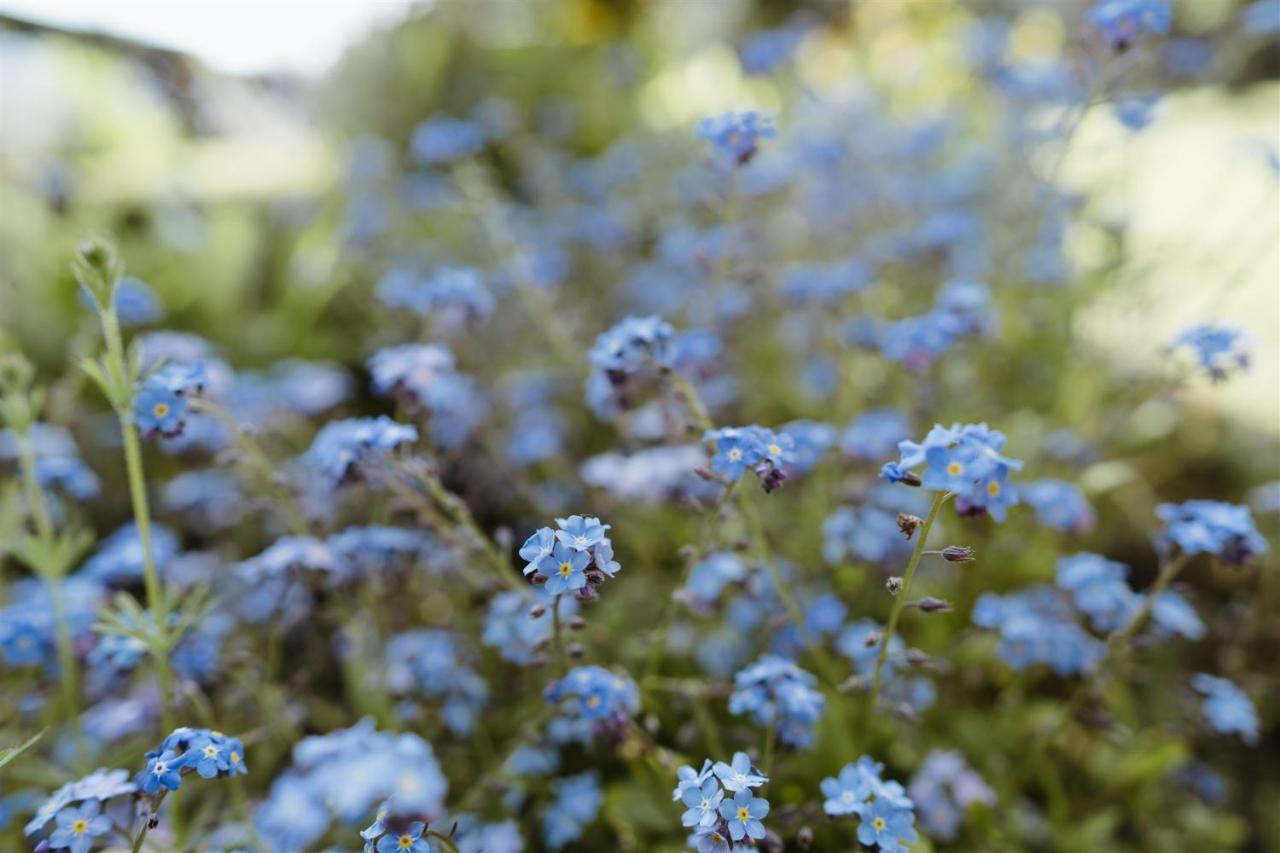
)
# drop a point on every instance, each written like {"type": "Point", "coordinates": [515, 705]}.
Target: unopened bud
{"type": "Point", "coordinates": [911, 478]}
{"type": "Point", "coordinates": [957, 553]}
{"type": "Point", "coordinates": [537, 611]}
{"type": "Point", "coordinates": [577, 623]}
{"type": "Point", "coordinates": [576, 651]}
{"type": "Point", "coordinates": [894, 585]}
{"type": "Point", "coordinates": [871, 639]}
{"type": "Point", "coordinates": [934, 605]}
{"type": "Point", "coordinates": [804, 838]}
{"type": "Point", "coordinates": [908, 523]}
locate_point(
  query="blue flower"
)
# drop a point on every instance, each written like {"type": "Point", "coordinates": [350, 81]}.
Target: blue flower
{"type": "Point", "coordinates": [847, 792]}
{"type": "Point", "coordinates": [1060, 505]}
{"type": "Point", "coordinates": [578, 800]}
{"type": "Point", "coordinates": [564, 569]}
{"type": "Point", "coordinates": [341, 445]}
{"type": "Point", "coordinates": [735, 452]}
{"type": "Point", "coordinates": [77, 827]}
{"type": "Point", "coordinates": [779, 694]}
{"type": "Point", "coordinates": [943, 789]}
{"type": "Point", "coordinates": [409, 841]}
{"type": "Point", "coordinates": [1210, 527]}
{"type": "Point", "coordinates": [1123, 21]}
{"type": "Point", "coordinates": [158, 410]}
{"type": "Point", "coordinates": [888, 825]}
{"type": "Point", "coordinates": [687, 777]}
{"type": "Point", "coordinates": [580, 532]}
{"type": "Point", "coordinates": [208, 756]}
{"type": "Point", "coordinates": [736, 136]}
{"type": "Point", "coordinates": [743, 813]}
{"type": "Point", "coordinates": [536, 547]}
{"type": "Point", "coordinates": [1099, 589]}
{"type": "Point", "coordinates": [740, 775]}
{"type": "Point", "coordinates": [703, 803]}
{"type": "Point", "coordinates": [874, 434]}
{"type": "Point", "coordinates": [965, 460]}
{"type": "Point", "coordinates": [1228, 708]}
{"type": "Point", "coordinates": [1219, 350]}
{"type": "Point", "coordinates": [441, 139]}
{"type": "Point", "coordinates": [591, 700]}
{"type": "Point", "coordinates": [712, 841]}
{"type": "Point", "coordinates": [163, 771]}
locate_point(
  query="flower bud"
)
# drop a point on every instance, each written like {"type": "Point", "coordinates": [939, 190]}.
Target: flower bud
{"type": "Point", "coordinates": [894, 585]}
{"type": "Point", "coordinates": [908, 523]}
{"type": "Point", "coordinates": [537, 611]}
{"type": "Point", "coordinates": [577, 623]}
{"type": "Point", "coordinates": [957, 553]}
{"type": "Point", "coordinates": [934, 605]}
{"type": "Point", "coordinates": [576, 651]}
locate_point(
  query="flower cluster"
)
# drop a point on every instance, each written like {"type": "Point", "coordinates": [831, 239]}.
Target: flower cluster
{"type": "Point", "coordinates": [626, 361]}
{"type": "Point", "coordinates": [435, 664]}
{"type": "Point", "coordinates": [188, 750]}
{"type": "Point", "coordinates": [1038, 626]}
{"type": "Point", "coordinates": [457, 296]}
{"type": "Point", "coordinates": [591, 702]}
{"type": "Point", "coordinates": [779, 694]}
{"type": "Point", "coordinates": [76, 827]}
{"type": "Point", "coordinates": [1210, 527]}
{"type": "Point", "coordinates": [346, 774]}
{"type": "Point", "coordinates": [576, 558]}
{"type": "Point", "coordinates": [58, 465]}
{"type": "Point", "coordinates": [425, 378]}
{"type": "Point", "coordinates": [578, 801]}
{"type": "Point", "coordinates": [1100, 591]}
{"type": "Point", "coordinates": [962, 309]}
{"type": "Point", "coordinates": [1123, 21]}
{"type": "Point", "coordinates": [341, 446]}
{"type": "Point", "coordinates": [764, 451]}
{"type": "Point", "coordinates": [886, 816]}
{"type": "Point", "coordinates": [943, 789]}
{"type": "Point", "coordinates": [964, 460]}
{"type": "Point", "coordinates": [720, 821]}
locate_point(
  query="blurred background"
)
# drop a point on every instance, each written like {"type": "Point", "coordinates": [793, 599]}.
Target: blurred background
{"type": "Point", "coordinates": [210, 137]}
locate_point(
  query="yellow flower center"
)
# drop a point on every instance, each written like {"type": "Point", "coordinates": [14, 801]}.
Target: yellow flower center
{"type": "Point", "coordinates": [80, 826]}
{"type": "Point", "coordinates": [955, 469]}
{"type": "Point", "coordinates": [735, 455]}
{"type": "Point", "coordinates": [775, 450]}
{"type": "Point", "coordinates": [593, 701]}
{"type": "Point", "coordinates": [993, 488]}
{"type": "Point", "coordinates": [235, 757]}
{"type": "Point", "coordinates": [406, 841]}
{"type": "Point", "coordinates": [744, 813]}
{"type": "Point", "coordinates": [160, 409]}
{"type": "Point", "coordinates": [566, 569]}
{"type": "Point", "coordinates": [210, 751]}
{"type": "Point", "coordinates": [879, 824]}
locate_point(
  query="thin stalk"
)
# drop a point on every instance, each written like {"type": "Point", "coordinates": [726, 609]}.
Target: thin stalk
{"type": "Point", "coordinates": [692, 400]}
{"type": "Point", "coordinates": [1119, 640]}
{"type": "Point", "coordinates": [443, 839]}
{"type": "Point", "coordinates": [151, 578]}
{"type": "Point", "coordinates": [68, 669]}
{"type": "Point", "coordinates": [923, 534]}
{"type": "Point", "coordinates": [458, 512]}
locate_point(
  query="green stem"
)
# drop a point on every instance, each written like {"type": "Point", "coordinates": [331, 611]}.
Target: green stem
{"type": "Point", "coordinates": [151, 578]}
{"type": "Point", "coordinates": [68, 669]}
{"type": "Point", "coordinates": [922, 535]}
{"type": "Point", "coordinates": [692, 400]}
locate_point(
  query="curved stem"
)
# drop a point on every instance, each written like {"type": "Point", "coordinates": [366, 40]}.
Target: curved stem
{"type": "Point", "coordinates": [557, 638]}
{"type": "Point", "coordinates": [923, 534]}
{"type": "Point", "coordinates": [443, 839]}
